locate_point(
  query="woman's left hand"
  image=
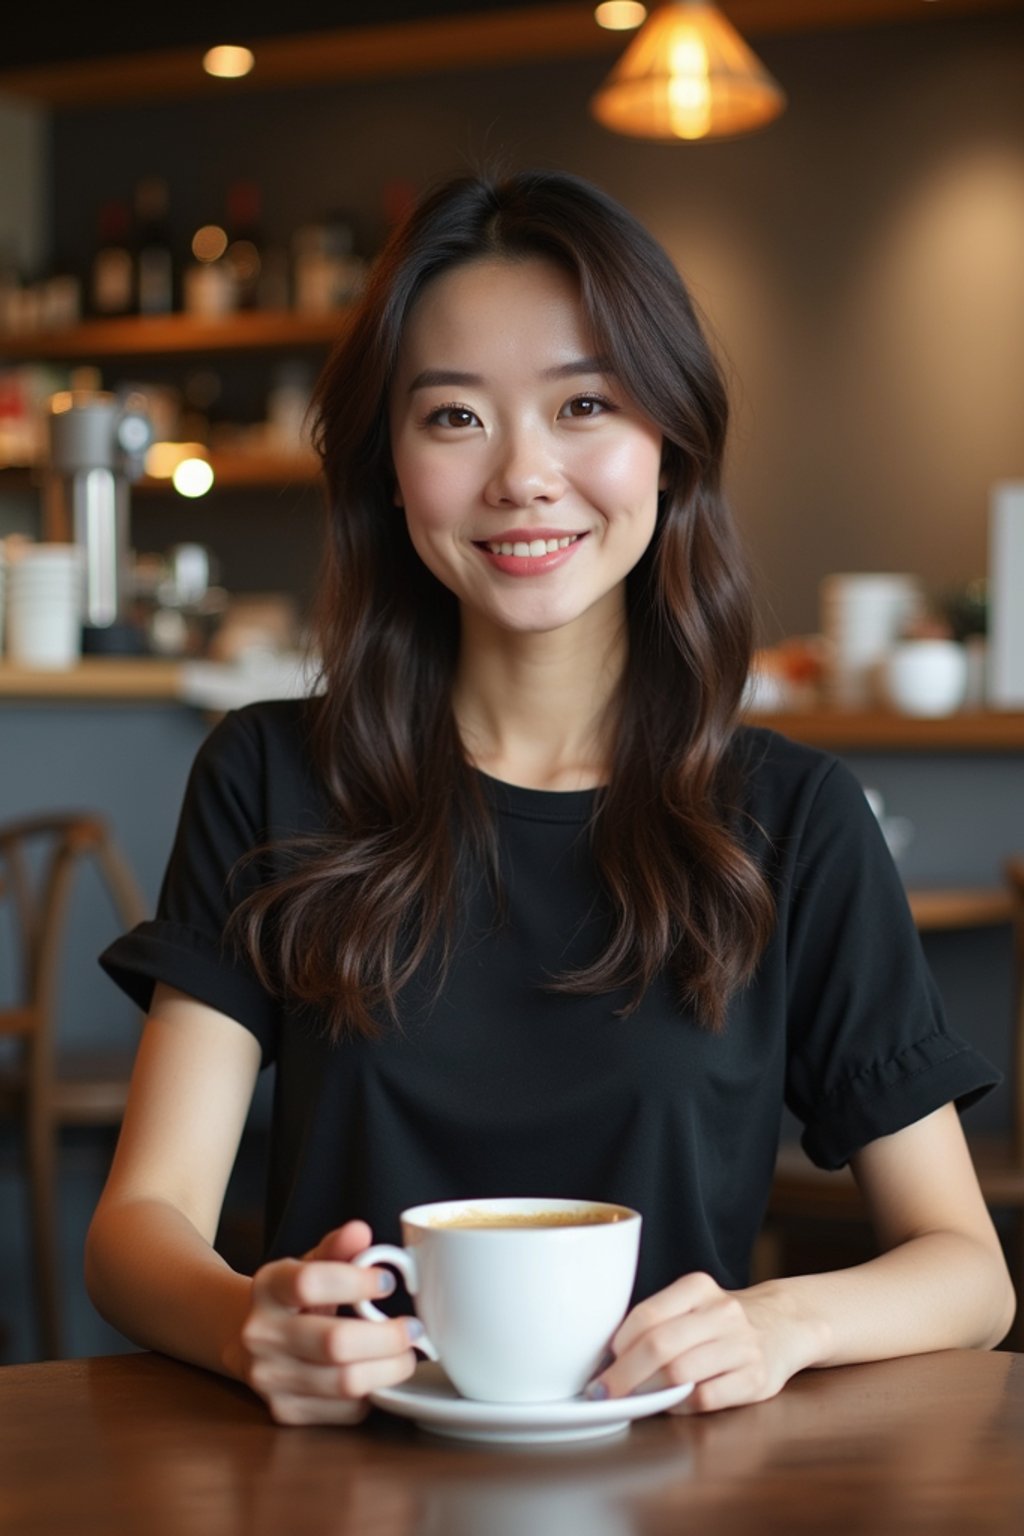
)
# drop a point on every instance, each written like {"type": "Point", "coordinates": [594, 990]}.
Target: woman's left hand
{"type": "Point", "coordinates": [736, 1346]}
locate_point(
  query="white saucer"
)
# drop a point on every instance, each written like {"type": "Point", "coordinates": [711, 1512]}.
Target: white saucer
{"type": "Point", "coordinates": [433, 1403]}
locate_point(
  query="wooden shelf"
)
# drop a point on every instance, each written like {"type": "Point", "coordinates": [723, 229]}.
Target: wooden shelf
{"type": "Point", "coordinates": [96, 677]}
{"type": "Point", "coordinates": [233, 470]}
{"type": "Point", "coordinates": [969, 907]}
{"type": "Point", "coordinates": [981, 730]}
{"type": "Point", "coordinates": [176, 335]}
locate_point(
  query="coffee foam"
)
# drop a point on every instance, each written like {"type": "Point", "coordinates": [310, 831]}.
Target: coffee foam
{"type": "Point", "coordinates": [482, 1219]}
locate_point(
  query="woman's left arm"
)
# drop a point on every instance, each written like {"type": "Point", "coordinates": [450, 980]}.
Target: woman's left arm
{"type": "Point", "coordinates": [941, 1282]}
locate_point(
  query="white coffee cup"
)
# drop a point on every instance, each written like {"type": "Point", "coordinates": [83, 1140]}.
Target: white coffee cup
{"type": "Point", "coordinates": [862, 613]}
{"type": "Point", "coordinates": [927, 677]}
{"type": "Point", "coordinates": [44, 606]}
{"type": "Point", "coordinates": [520, 1298]}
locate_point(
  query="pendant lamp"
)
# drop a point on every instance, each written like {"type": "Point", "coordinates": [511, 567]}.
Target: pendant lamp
{"type": "Point", "coordinates": [687, 75]}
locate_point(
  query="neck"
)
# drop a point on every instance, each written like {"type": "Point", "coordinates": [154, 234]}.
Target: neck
{"type": "Point", "coordinates": [534, 709]}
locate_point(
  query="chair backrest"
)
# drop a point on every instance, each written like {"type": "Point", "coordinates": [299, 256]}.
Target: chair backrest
{"type": "Point", "coordinates": [38, 860]}
{"type": "Point", "coordinates": [1014, 872]}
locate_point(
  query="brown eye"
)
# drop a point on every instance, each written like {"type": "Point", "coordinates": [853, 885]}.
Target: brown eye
{"type": "Point", "coordinates": [452, 416]}
{"type": "Point", "coordinates": [585, 406]}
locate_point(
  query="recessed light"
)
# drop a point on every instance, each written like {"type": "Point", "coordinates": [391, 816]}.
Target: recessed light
{"type": "Point", "coordinates": [620, 15]}
{"type": "Point", "coordinates": [228, 62]}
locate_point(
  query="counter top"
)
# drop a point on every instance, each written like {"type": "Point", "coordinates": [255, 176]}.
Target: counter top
{"type": "Point", "coordinates": [975, 730]}
{"type": "Point", "coordinates": [95, 677]}
{"type": "Point", "coordinates": [204, 684]}
{"type": "Point", "coordinates": [143, 678]}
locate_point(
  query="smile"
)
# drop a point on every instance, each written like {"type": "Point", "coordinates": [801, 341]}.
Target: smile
{"type": "Point", "coordinates": [530, 557]}
{"type": "Point", "coordinates": [534, 549]}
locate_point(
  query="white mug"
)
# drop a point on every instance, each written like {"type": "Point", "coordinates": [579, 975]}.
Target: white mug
{"type": "Point", "coordinates": [519, 1298]}
{"type": "Point", "coordinates": [927, 677]}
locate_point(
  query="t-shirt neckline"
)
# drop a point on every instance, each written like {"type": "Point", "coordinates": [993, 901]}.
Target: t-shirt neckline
{"type": "Point", "coordinates": [572, 805]}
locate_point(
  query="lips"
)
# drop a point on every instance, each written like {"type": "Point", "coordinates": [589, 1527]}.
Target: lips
{"type": "Point", "coordinates": [529, 552]}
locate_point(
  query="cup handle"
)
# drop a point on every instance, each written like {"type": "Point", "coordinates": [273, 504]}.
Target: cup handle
{"type": "Point", "coordinates": [402, 1260]}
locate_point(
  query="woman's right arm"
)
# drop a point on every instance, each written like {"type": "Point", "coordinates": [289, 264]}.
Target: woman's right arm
{"type": "Point", "coordinates": [151, 1268]}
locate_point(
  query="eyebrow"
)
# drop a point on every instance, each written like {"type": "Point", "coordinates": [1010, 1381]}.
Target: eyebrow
{"type": "Point", "coordinates": [432, 378]}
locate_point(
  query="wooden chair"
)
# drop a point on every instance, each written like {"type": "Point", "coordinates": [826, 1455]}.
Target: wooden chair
{"type": "Point", "coordinates": [42, 1086]}
{"type": "Point", "coordinates": [804, 1194]}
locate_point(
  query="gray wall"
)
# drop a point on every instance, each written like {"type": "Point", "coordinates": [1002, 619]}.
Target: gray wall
{"type": "Point", "coordinates": [860, 262]}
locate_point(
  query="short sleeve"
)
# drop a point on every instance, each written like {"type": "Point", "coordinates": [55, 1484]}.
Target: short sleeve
{"type": "Point", "coordinates": [222, 819]}
{"type": "Point", "coordinates": [869, 1047]}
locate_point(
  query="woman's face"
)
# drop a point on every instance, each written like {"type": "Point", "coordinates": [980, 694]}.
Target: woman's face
{"type": "Point", "coordinates": [529, 479]}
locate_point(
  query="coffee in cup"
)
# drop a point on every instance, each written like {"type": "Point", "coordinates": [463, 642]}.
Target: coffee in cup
{"type": "Point", "coordinates": [519, 1297]}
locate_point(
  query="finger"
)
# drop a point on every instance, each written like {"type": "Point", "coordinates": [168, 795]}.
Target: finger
{"type": "Point", "coordinates": [281, 1377]}
{"type": "Point", "coordinates": [341, 1341]}
{"type": "Point", "coordinates": [654, 1359]}
{"type": "Point", "coordinates": [685, 1348]}
{"type": "Point", "coordinates": [729, 1389]}
{"type": "Point", "coordinates": [297, 1410]}
{"type": "Point", "coordinates": [684, 1295]}
{"type": "Point", "coordinates": [343, 1242]}
{"type": "Point", "coordinates": [297, 1284]}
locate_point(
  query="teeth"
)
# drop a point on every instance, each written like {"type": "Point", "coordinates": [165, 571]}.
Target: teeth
{"type": "Point", "coordinates": [534, 549]}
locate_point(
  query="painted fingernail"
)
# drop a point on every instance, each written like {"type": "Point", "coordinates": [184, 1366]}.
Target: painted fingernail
{"type": "Point", "coordinates": [414, 1329]}
{"type": "Point", "coordinates": [385, 1283]}
{"type": "Point", "coordinates": [596, 1391]}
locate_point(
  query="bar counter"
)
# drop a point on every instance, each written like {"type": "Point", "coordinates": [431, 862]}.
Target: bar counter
{"type": "Point", "coordinates": [153, 679]}
{"type": "Point", "coordinates": [139, 1445]}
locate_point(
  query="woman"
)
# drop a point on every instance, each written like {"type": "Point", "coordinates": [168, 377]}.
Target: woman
{"type": "Point", "coordinates": [514, 906]}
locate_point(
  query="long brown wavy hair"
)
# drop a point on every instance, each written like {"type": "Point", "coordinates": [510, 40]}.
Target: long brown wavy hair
{"type": "Point", "coordinates": [347, 918]}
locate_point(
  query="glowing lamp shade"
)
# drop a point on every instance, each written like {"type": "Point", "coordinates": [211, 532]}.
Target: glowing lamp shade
{"type": "Point", "coordinates": [687, 75]}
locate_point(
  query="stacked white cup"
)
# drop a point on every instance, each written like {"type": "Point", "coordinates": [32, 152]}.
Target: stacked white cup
{"type": "Point", "coordinates": [862, 615]}
{"type": "Point", "coordinates": [44, 606]}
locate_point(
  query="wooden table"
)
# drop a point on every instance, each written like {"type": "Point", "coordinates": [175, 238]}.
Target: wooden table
{"type": "Point", "coordinates": [141, 1444]}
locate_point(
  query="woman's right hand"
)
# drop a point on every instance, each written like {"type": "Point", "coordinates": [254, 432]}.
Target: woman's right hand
{"type": "Point", "coordinates": [309, 1365]}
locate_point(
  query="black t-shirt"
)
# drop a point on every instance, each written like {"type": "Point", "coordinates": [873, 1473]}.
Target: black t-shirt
{"type": "Point", "coordinates": [501, 1086]}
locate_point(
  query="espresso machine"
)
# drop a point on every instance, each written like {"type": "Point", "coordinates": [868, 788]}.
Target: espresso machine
{"type": "Point", "coordinates": [97, 447]}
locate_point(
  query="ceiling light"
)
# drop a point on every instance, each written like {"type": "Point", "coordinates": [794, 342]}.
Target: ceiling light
{"type": "Point", "coordinates": [228, 62]}
{"type": "Point", "coordinates": [687, 75]}
{"type": "Point", "coordinates": [620, 15]}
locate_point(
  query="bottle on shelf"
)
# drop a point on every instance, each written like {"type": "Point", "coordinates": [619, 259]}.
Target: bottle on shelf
{"type": "Point", "coordinates": [112, 273]}
{"type": "Point", "coordinates": [244, 253]}
{"type": "Point", "coordinates": [287, 409]}
{"type": "Point", "coordinates": [208, 285]}
{"type": "Point", "coordinates": [328, 271]}
{"type": "Point", "coordinates": [260, 268]}
{"type": "Point", "coordinates": [200, 396]}
{"type": "Point", "coordinates": [154, 252]}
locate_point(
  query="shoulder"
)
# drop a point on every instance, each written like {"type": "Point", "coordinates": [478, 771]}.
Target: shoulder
{"type": "Point", "coordinates": [798, 801]}
{"type": "Point", "coordinates": [273, 730]}
{"type": "Point", "coordinates": [259, 757]}
{"type": "Point", "coordinates": [780, 775]}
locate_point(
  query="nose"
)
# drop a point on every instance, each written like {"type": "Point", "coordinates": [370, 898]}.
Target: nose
{"type": "Point", "coordinates": [525, 470]}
